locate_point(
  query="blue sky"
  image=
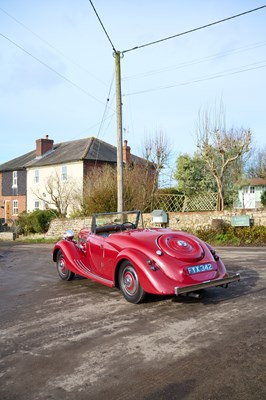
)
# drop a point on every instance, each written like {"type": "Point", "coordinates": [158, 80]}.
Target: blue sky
{"type": "Point", "coordinates": [164, 86]}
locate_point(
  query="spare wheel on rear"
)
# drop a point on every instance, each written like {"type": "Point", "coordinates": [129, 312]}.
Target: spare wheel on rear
{"type": "Point", "coordinates": [181, 246]}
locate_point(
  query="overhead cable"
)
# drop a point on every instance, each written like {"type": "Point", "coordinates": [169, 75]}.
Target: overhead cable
{"type": "Point", "coordinates": [51, 69]}
{"type": "Point", "coordinates": [108, 37]}
{"type": "Point", "coordinates": [194, 30]}
{"type": "Point", "coordinates": [245, 68]}
{"type": "Point", "coordinates": [51, 46]}
{"type": "Point", "coordinates": [195, 61]}
{"type": "Point", "coordinates": [106, 106]}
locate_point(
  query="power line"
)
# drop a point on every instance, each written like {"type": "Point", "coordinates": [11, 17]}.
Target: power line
{"type": "Point", "coordinates": [51, 69]}
{"type": "Point", "coordinates": [50, 45]}
{"type": "Point", "coordinates": [106, 106]}
{"type": "Point", "coordinates": [245, 68]}
{"type": "Point", "coordinates": [194, 30]}
{"type": "Point", "coordinates": [195, 61]}
{"type": "Point", "coordinates": [105, 31]}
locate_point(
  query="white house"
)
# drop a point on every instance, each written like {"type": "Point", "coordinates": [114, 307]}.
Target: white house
{"type": "Point", "coordinates": [25, 180]}
{"type": "Point", "coordinates": [249, 195]}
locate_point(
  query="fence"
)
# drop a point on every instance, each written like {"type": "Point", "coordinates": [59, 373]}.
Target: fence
{"type": "Point", "coordinates": [182, 203]}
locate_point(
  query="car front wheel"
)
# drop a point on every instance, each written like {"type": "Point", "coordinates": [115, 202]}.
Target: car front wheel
{"type": "Point", "coordinates": [129, 283]}
{"type": "Point", "coordinates": [63, 272]}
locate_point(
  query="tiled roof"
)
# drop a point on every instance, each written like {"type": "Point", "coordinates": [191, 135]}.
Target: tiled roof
{"type": "Point", "coordinates": [76, 150]}
{"type": "Point", "coordinates": [257, 182]}
{"type": "Point", "coordinates": [254, 182]}
{"type": "Point", "coordinates": [18, 163]}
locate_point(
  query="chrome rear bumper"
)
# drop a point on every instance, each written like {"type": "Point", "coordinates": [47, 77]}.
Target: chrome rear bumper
{"type": "Point", "coordinates": [207, 284]}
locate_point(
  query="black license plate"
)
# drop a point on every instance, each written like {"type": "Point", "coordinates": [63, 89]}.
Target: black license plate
{"type": "Point", "coordinates": [199, 268]}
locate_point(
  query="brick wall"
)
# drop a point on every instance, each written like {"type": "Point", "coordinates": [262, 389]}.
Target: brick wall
{"type": "Point", "coordinates": [3, 202]}
{"type": "Point", "coordinates": [2, 211]}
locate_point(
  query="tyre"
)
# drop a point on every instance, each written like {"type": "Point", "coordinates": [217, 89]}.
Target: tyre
{"type": "Point", "coordinates": [129, 283]}
{"type": "Point", "coordinates": [63, 272]}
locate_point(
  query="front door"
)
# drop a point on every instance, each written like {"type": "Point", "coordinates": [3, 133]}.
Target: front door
{"type": "Point", "coordinates": [8, 211]}
{"type": "Point", "coordinates": [249, 197]}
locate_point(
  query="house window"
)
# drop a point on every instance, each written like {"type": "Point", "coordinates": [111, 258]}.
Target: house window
{"type": "Point", "coordinates": [36, 176]}
{"type": "Point", "coordinates": [252, 189]}
{"type": "Point", "coordinates": [245, 190]}
{"type": "Point", "coordinates": [36, 205]}
{"type": "Point", "coordinates": [15, 207]}
{"type": "Point", "coordinates": [64, 173]}
{"type": "Point", "coordinates": [15, 179]}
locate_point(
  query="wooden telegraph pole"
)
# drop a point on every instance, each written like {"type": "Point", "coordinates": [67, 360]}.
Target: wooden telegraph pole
{"type": "Point", "coordinates": [120, 179]}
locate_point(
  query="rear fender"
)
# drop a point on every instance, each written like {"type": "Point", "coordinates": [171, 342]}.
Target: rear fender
{"type": "Point", "coordinates": [152, 281]}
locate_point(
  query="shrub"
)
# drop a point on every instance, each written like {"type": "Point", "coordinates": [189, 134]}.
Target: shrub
{"type": "Point", "coordinates": [35, 222]}
{"type": "Point", "coordinates": [235, 236]}
{"type": "Point", "coordinates": [100, 192]}
{"type": "Point", "coordinates": [263, 198]}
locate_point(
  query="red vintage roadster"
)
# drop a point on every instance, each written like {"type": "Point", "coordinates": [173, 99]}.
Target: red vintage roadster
{"type": "Point", "coordinates": [118, 251]}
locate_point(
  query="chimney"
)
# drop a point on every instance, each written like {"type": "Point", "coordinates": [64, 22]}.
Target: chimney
{"type": "Point", "coordinates": [43, 146]}
{"type": "Point", "coordinates": [126, 153]}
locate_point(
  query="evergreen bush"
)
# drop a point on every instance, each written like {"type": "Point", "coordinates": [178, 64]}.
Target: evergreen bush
{"type": "Point", "coordinates": [37, 221]}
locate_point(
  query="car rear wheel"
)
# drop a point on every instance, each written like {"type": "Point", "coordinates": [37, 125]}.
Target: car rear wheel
{"type": "Point", "coordinates": [63, 272]}
{"type": "Point", "coordinates": [129, 283]}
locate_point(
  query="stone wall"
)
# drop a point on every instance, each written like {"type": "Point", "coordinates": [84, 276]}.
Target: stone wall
{"type": "Point", "coordinates": [204, 219]}
{"type": "Point", "coordinates": [189, 220]}
{"type": "Point", "coordinates": [59, 226]}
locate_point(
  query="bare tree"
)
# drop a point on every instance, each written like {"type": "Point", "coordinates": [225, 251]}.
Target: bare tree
{"type": "Point", "coordinates": [57, 193]}
{"type": "Point", "coordinates": [257, 167]}
{"type": "Point", "coordinates": [157, 152]}
{"type": "Point", "coordinates": [220, 147]}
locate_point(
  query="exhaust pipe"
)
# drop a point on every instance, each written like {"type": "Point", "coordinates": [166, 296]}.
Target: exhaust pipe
{"type": "Point", "coordinates": [195, 295]}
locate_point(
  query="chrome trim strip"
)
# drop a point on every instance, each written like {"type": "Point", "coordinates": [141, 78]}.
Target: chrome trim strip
{"type": "Point", "coordinates": [207, 284]}
{"type": "Point", "coordinates": [82, 267]}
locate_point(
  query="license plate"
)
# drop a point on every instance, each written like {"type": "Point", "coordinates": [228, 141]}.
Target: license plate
{"type": "Point", "coordinates": [199, 268]}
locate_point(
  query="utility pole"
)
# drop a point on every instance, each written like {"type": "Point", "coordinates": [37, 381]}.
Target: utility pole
{"type": "Point", "coordinates": [120, 180]}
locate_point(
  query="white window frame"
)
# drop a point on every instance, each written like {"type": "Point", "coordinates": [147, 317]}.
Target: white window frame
{"type": "Point", "coordinates": [15, 207]}
{"type": "Point", "coordinates": [15, 179]}
{"type": "Point", "coordinates": [64, 173]}
{"type": "Point", "coordinates": [37, 205]}
{"type": "Point", "coordinates": [252, 189]}
{"type": "Point", "coordinates": [36, 176]}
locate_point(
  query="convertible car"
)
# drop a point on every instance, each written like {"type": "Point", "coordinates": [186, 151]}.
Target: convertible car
{"type": "Point", "coordinates": [118, 251]}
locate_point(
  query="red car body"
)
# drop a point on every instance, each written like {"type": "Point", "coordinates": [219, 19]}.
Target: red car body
{"type": "Point", "coordinates": [158, 261]}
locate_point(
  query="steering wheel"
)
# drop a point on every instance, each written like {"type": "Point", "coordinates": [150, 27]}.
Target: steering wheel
{"type": "Point", "coordinates": [128, 224]}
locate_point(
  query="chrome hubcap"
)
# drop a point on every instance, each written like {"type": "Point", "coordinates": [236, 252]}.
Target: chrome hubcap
{"type": "Point", "coordinates": [61, 266]}
{"type": "Point", "coordinates": [130, 281]}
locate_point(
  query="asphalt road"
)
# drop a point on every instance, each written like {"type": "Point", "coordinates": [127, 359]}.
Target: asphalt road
{"type": "Point", "coordinates": [79, 340]}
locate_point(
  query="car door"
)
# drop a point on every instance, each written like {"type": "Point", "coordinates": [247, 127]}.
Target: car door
{"type": "Point", "coordinates": [101, 255]}
{"type": "Point", "coordinates": [95, 249]}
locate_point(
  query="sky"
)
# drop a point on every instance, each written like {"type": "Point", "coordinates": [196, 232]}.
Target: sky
{"type": "Point", "coordinates": [57, 70]}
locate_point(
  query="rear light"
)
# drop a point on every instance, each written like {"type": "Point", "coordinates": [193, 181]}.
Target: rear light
{"type": "Point", "coordinates": [215, 256]}
{"type": "Point", "coordinates": [152, 264]}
